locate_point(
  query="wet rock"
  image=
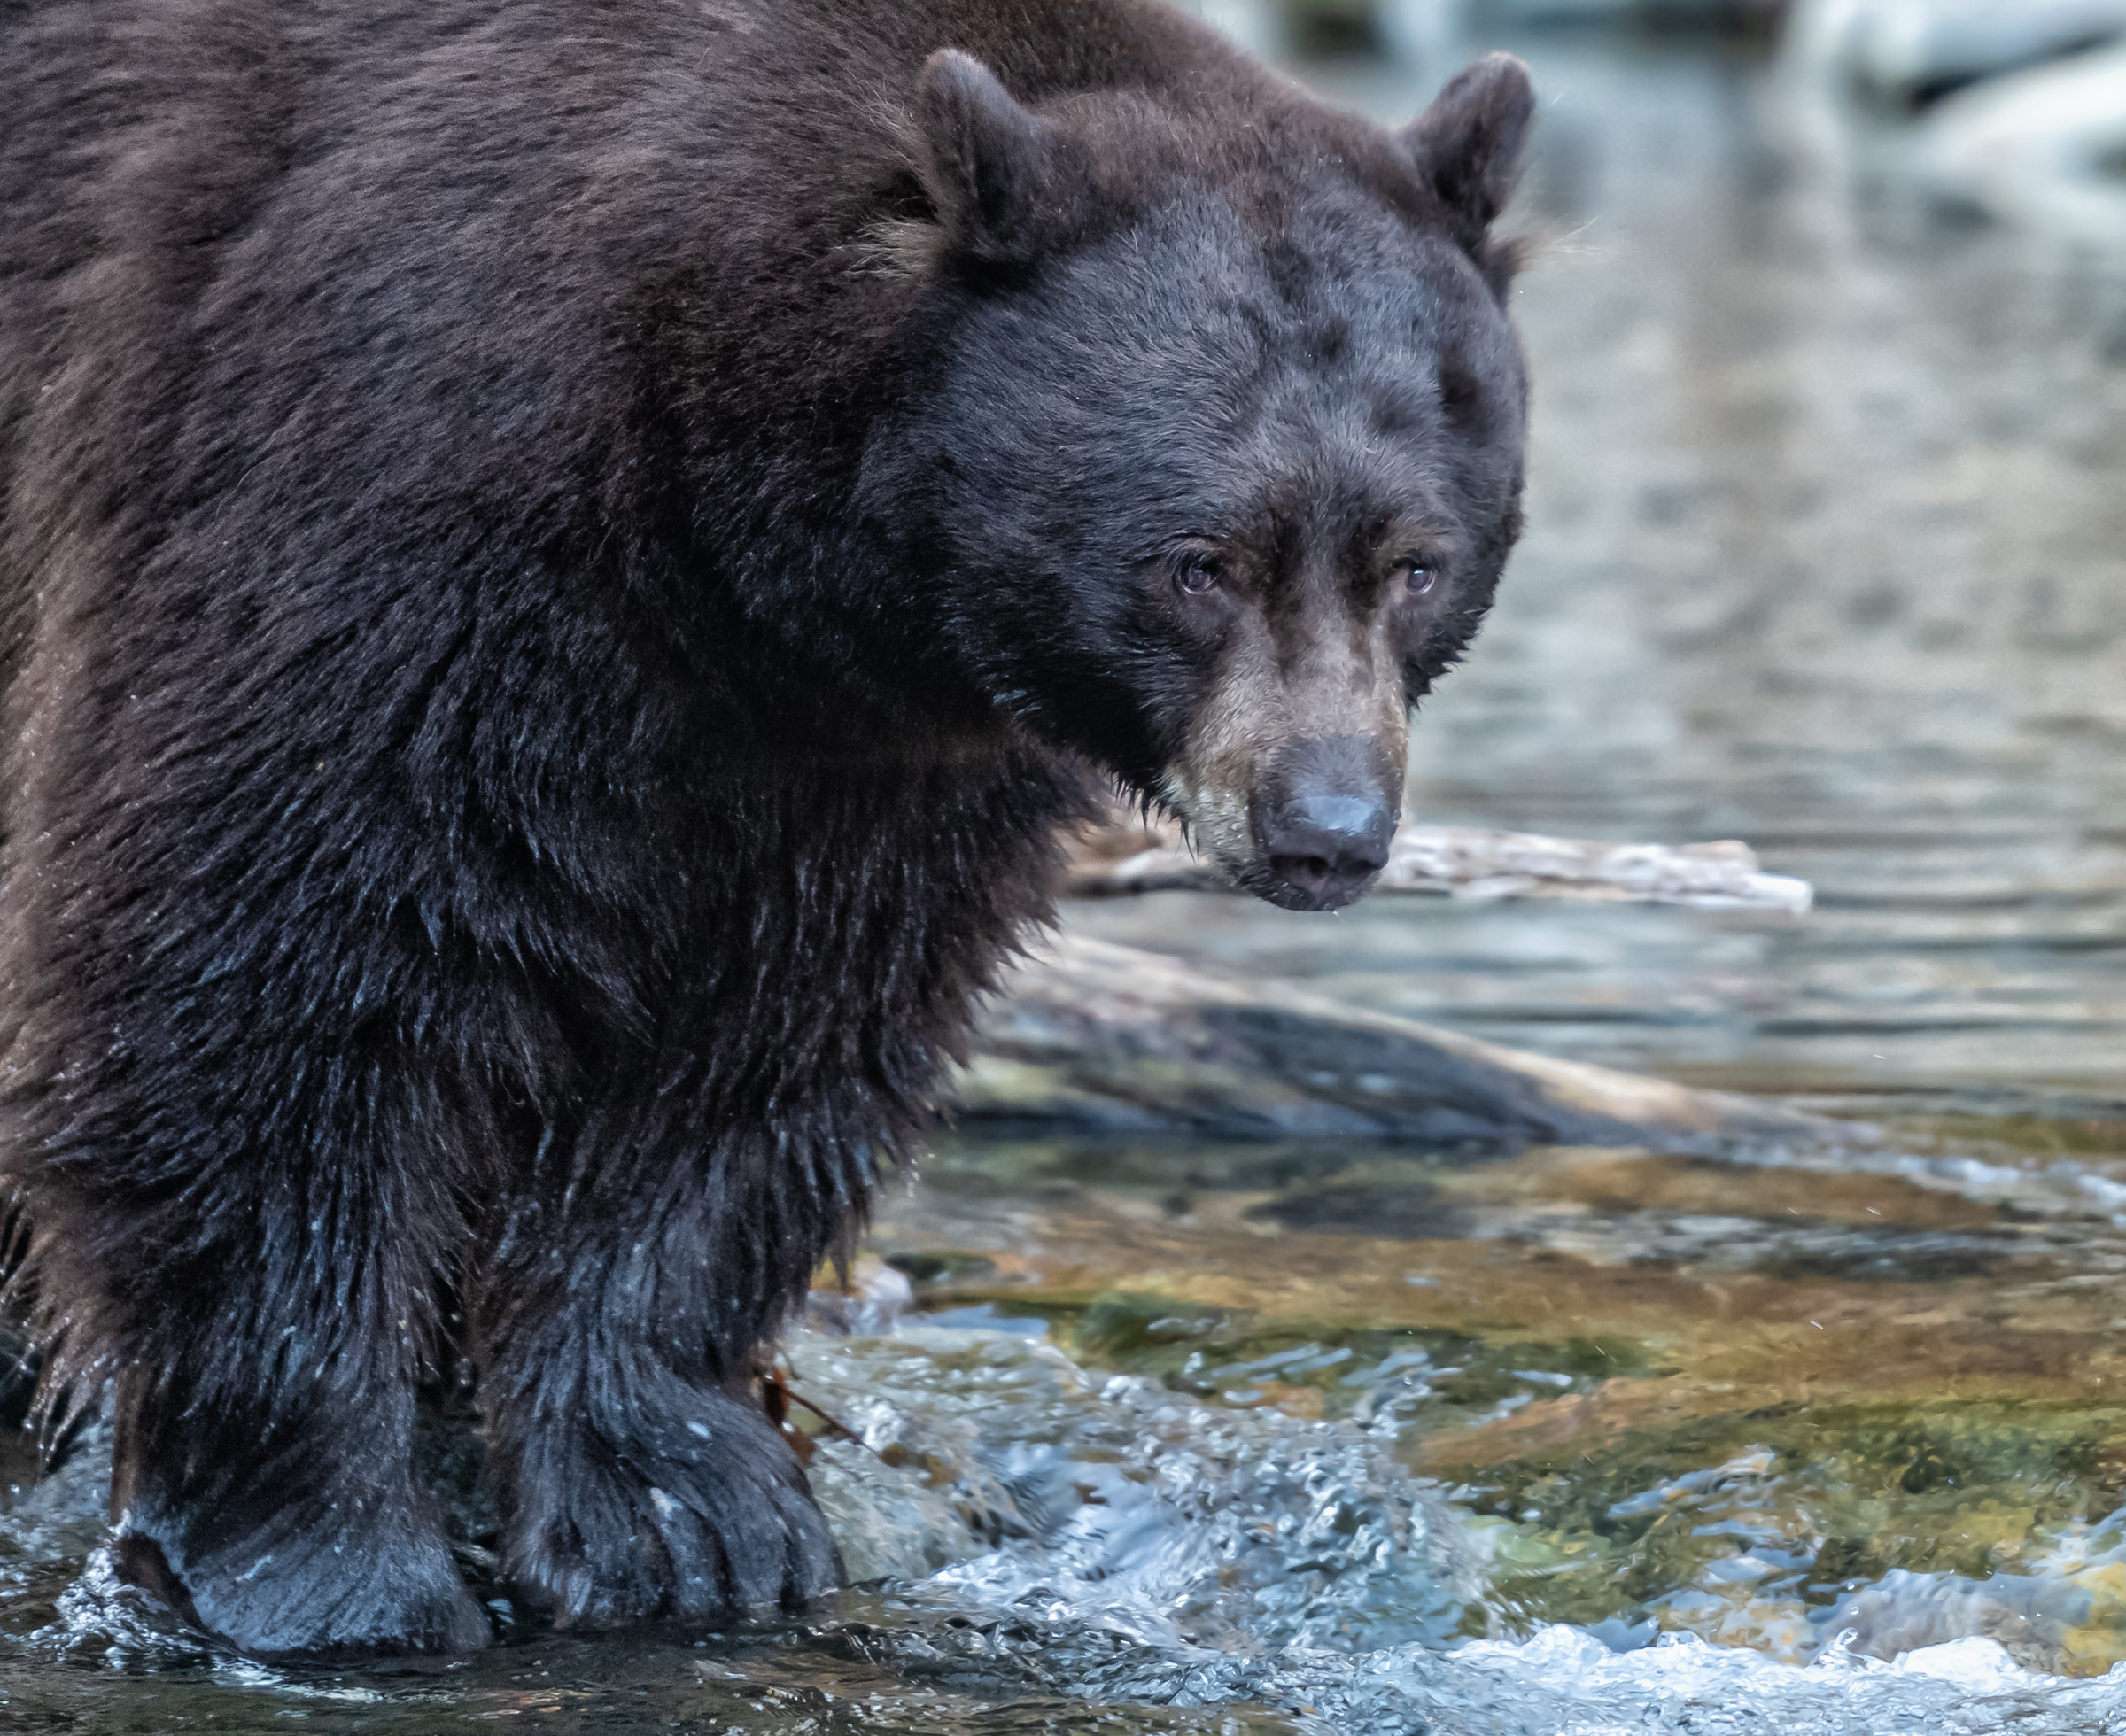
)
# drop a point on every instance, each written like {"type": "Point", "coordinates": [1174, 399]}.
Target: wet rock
{"type": "Point", "coordinates": [1095, 1037]}
{"type": "Point", "coordinates": [872, 1298]}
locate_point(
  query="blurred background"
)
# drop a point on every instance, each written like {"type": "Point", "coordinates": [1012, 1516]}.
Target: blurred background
{"type": "Point", "coordinates": [1826, 548]}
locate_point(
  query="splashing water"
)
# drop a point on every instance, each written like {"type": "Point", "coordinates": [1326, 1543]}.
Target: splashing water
{"type": "Point", "coordinates": [1096, 1535]}
{"type": "Point", "coordinates": [1044, 1546]}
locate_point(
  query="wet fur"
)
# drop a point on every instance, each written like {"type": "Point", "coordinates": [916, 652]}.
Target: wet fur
{"type": "Point", "coordinates": [519, 758]}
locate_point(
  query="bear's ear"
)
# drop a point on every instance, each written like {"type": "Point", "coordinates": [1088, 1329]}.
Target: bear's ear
{"type": "Point", "coordinates": [987, 161]}
{"type": "Point", "coordinates": [1468, 145]}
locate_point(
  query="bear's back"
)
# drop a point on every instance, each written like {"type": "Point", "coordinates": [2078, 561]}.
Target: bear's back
{"type": "Point", "coordinates": [380, 266]}
{"type": "Point", "coordinates": [349, 318]}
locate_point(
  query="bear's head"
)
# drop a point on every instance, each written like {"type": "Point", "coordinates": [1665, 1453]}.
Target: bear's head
{"type": "Point", "coordinates": [1217, 451]}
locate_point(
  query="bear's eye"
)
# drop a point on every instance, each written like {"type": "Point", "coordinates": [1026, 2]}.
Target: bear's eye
{"type": "Point", "coordinates": [1414, 576]}
{"type": "Point", "coordinates": [1199, 573]}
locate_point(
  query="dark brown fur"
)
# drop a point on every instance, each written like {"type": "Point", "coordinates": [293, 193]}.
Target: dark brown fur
{"type": "Point", "coordinates": [539, 680]}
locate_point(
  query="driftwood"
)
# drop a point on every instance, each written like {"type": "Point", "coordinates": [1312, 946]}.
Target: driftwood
{"type": "Point", "coordinates": [1090, 1037]}
{"type": "Point", "coordinates": [1128, 855]}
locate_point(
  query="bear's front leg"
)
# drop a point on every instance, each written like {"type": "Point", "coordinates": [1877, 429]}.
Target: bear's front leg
{"type": "Point", "coordinates": [265, 1324]}
{"type": "Point", "coordinates": [286, 1522]}
{"type": "Point", "coordinates": [639, 1476]}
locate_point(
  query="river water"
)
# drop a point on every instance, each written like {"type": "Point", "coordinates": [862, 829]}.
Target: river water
{"type": "Point", "coordinates": [1827, 552]}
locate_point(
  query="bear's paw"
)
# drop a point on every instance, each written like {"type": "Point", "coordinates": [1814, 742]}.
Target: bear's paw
{"type": "Point", "coordinates": [701, 1517]}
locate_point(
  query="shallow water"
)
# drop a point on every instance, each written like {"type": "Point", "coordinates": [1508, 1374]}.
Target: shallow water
{"type": "Point", "coordinates": [1331, 1438]}
{"type": "Point", "coordinates": [1825, 551]}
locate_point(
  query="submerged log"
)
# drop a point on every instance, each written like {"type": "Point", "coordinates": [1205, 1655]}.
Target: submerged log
{"type": "Point", "coordinates": [1091, 1037]}
{"type": "Point", "coordinates": [1128, 855]}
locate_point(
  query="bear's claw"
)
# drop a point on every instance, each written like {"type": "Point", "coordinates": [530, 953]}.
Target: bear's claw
{"type": "Point", "coordinates": [707, 1521]}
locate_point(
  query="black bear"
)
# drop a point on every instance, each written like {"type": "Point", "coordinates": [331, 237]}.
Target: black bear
{"type": "Point", "coordinates": [560, 565]}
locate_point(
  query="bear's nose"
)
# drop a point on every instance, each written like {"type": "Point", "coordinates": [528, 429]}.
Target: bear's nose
{"type": "Point", "coordinates": [1327, 846]}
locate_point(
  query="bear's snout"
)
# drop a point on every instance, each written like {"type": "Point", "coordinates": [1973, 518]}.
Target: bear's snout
{"type": "Point", "coordinates": [1322, 822]}
{"type": "Point", "coordinates": [1325, 848]}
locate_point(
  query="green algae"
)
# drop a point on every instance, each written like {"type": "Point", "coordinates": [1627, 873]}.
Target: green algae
{"type": "Point", "coordinates": [1819, 1500]}
{"type": "Point", "coordinates": [1672, 1393]}
{"type": "Point", "coordinates": [1438, 1377]}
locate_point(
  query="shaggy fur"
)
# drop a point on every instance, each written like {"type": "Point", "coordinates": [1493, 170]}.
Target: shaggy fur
{"type": "Point", "coordinates": [560, 564]}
